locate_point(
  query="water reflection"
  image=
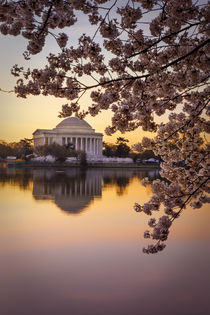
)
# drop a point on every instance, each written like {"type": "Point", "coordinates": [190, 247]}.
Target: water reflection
{"type": "Point", "coordinates": [121, 178]}
{"type": "Point", "coordinates": [92, 264]}
{"type": "Point", "coordinates": [16, 177]}
{"type": "Point", "coordinates": [72, 189]}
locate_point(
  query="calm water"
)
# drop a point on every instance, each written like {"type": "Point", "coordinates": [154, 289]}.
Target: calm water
{"type": "Point", "coordinates": [71, 244]}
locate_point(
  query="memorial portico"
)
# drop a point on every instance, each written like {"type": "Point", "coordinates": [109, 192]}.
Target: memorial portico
{"type": "Point", "coordinates": [72, 132]}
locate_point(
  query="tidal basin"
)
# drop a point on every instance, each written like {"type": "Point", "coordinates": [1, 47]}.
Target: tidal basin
{"type": "Point", "coordinates": [71, 243]}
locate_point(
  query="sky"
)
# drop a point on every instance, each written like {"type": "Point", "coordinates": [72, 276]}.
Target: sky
{"type": "Point", "coordinates": [19, 117]}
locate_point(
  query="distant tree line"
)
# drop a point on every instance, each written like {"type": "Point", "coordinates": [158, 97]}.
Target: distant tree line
{"type": "Point", "coordinates": [24, 150]}
{"type": "Point", "coordinates": [122, 149]}
{"type": "Point", "coordinates": [24, 147]}
{"type": "Point", "coordinates": [19, 149]}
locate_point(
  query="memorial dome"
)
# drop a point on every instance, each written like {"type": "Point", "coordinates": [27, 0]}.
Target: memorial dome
{"type": "Point", "coordinates": [72, 122]}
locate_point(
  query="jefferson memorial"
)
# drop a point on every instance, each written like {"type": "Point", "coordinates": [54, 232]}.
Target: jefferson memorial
{"type": "Point", "coordinates": [72, 131]}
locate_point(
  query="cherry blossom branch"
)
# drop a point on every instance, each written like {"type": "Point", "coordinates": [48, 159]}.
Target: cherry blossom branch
{"type": "Point", "coordinates": [190, 89]}
{"type": "Point", "coordinates": [163, 38]}
{"type": "Point", "coordinates": [186, 55]}
{"type": "Point", "coordinates": [148, 75]}
{"type": "Point", "coordinates": [104, 19]}
{"type": "Point", "coordinates": [161, 229]}
{"type": "Point", "coordinates": [189, 198]}
{"type": "Point", "coordinates": [6, 91]}
{"type": "Point", "coordinates": [46, 21]}
{"type": "Point", "coordinates": [187, 122]}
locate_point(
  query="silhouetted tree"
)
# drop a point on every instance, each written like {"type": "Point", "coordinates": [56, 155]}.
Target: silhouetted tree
{"type": "Point", "coordinates": [122, 149]}
{"type": "Point", "coordinates": [23, 147]}
{"type": "Point", "coordinates": [109, 149]}
{"type": "Point", "coordinates": [5, 149]}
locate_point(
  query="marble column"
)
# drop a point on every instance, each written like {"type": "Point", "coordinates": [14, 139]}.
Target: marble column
{"type": "Point", "coordinates": [100, 147]}
{"type": "Point", "coordinates": [94, 146]}
{"type": "Point", "coordinates": [91, 145]}
{"type": "Point", "coordinates": [86, 145]}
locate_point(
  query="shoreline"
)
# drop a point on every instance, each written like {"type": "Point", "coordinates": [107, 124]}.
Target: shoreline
{"type": "Point", "coordinates": [89, 165]}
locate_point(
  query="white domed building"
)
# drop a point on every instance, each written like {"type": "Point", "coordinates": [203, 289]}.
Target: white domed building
{"type": "Point", "coordinates": [74, 132]}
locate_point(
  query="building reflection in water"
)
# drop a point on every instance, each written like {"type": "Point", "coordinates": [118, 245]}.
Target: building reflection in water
{"type": "Point", "coordinates": [72, 190]}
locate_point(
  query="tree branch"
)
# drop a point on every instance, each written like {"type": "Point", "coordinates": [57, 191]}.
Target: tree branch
{"type": "Point", "coordinates": [162, 38]}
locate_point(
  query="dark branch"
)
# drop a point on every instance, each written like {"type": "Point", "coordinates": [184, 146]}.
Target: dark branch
{"type": "Point", "coordinates": [162, 38]}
